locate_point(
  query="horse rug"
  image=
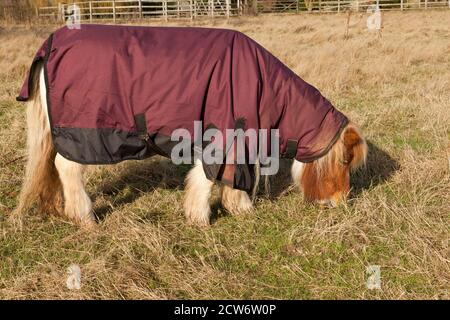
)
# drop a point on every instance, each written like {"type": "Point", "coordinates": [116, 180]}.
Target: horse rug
{"type": "Point", "coordinates": [117, 93]}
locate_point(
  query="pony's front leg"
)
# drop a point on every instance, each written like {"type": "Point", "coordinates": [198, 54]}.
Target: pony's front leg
{"type": "Point", "coordinates": [77, 205]}
{"type": "Point", "coordinates": [236, 201]}
{"type": "Point", "coordinates": [197, 194]}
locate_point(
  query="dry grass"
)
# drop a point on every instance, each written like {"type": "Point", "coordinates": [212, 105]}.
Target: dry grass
{"type": "Point", "coordinates": [396, 88]}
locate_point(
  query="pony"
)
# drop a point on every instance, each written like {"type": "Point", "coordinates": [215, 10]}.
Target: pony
{"type": "Point", "coordinates": [55, 179]}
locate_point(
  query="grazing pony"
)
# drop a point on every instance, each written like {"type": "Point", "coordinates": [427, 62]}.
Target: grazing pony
{"type": "Point", "coordinates": [104, 94]}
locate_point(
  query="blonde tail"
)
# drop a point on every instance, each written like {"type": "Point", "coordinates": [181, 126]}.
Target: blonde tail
{"type": "Point", "coordinates": [41, 185]}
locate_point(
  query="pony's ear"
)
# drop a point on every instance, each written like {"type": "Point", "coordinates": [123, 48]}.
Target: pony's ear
{"type": "Point", "coordinates": [355, 147]}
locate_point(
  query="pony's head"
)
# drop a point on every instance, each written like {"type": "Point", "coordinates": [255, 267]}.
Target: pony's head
{"type": "Point", "coordinates": [327, 179]}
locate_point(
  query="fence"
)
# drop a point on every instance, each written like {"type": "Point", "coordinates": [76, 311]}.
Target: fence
{"type": "Point", "coordinates": [133, 9]}
{"type": "Point", "coordinates": [268, 6]}
{"type": "Point", "coordinates": [170, 9]}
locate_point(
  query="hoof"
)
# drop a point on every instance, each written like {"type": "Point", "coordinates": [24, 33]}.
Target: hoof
{"type": "Point", "coordinates": [199, 218]}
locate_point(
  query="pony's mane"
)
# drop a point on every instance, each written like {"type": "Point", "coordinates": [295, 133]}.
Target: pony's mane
{"type": "Point", "coordinates": [350, 148]}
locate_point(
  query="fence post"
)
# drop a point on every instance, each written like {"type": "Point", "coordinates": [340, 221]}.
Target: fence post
{"type": "Point", "coordinates": [165, 11]}
{"type": "Point", "coordinates": [227, 6]}
{"type": "Point", "coordinates": [401, 5]}
{"type": "Point", "coordinates": [320, 4]}
{"type": "Point", "coordinates": [211, 7]}
{"type": "Point", "coordinates": [339, 5]}
{"type": "Point", "coordinates": [114, 11]}
{"type": "Point", "coordinates": [255, 7]}
{"type": "Point", "coordinates": [194, 3]}
{"type": "Point", "coordinates": [62, 12]}
{"type": "Point", "coordinates": [37, 10]}
{"type": "Point", "coordinates": [238, 7]}
{"type": "Point", "coordinates": [90, 11]}
{"type": "Point", "coordinates": [426, 4]}
{"type": "Point", "coordinates": [140, 9]}
{"type": "Point", "coordinates": [58, 15]}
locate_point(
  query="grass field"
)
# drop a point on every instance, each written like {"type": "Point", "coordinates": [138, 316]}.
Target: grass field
{"type": "Point", "coordinates": [396, 87]}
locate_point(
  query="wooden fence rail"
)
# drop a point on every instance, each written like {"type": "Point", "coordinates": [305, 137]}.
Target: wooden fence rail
{"type": "Point", "coordinates": [101, 10]}
{"type": "Point", "coordinates": [269, 6]}
{"type": "Point", "coordinates": [129, 9]}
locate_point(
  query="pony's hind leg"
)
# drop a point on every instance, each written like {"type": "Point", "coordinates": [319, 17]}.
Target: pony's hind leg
{"type": "Point", "coordinates": [77, 205]}
{"type": "Point", "coordinates": [198, 192]}
{"type": "Point", "coordinates": [235, 201]}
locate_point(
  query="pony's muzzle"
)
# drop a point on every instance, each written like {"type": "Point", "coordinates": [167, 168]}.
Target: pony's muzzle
{"type": "Point", "coordinates": [327, 203]}
{"type": "Point", "coordinates": [334, 201]}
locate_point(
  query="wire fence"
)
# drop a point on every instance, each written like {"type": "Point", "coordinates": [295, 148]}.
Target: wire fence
{"type": "Point", "coordinates": [90, 11]}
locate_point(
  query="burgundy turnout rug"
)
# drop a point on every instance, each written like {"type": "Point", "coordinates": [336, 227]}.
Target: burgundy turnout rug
{"type": "Point", "coordinates": [118, 92]}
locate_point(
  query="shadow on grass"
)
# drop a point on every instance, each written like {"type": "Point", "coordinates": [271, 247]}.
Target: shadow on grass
{"type": "Point", "coordinates": [140, 177]}
{"type": "Point", "coordinates": [279, 183]}
{"type": "Point", "coordinates": [137, 178]}
{"type": "Point", "coordinates": [144, 176]}
{"type": "Point", "coordinates": [379, 168]}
